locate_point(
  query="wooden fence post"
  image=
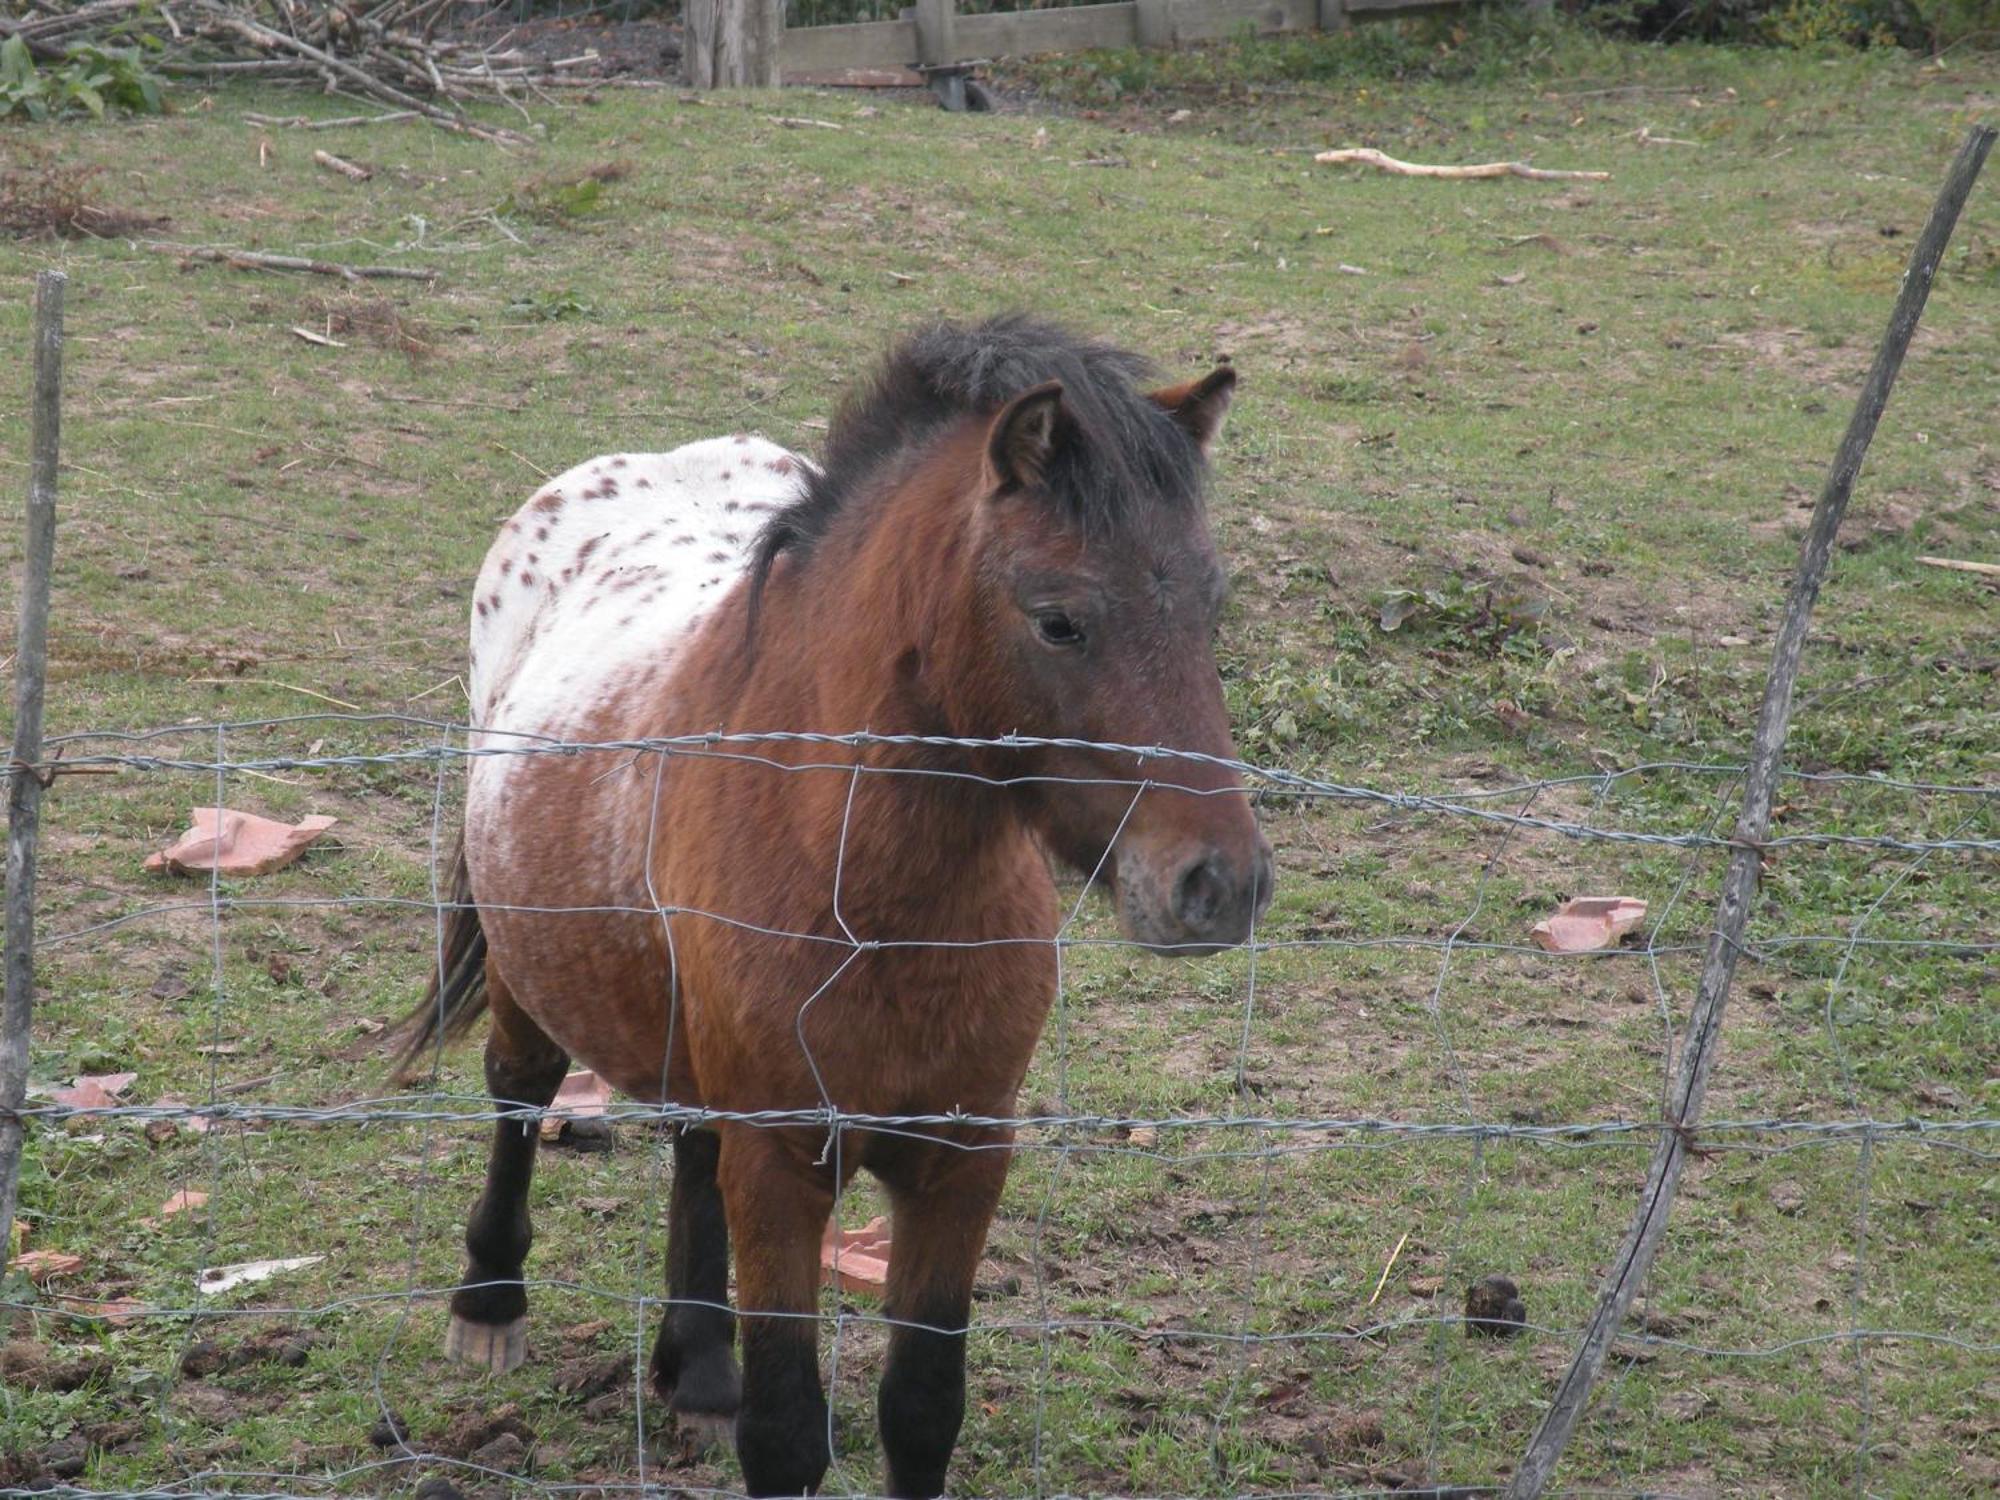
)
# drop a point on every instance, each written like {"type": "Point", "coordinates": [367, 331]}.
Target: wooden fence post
{"type": "Point", "coordinates": [1333, 15]}
{"type": "Point", "coordinates": [732, 44]}
{"type": "Point", "coordinates": [937, 33]}
{"type": "Point", "coordinates": [24, 787]}
{"type": "Point", "coordinates": [1156, 22]}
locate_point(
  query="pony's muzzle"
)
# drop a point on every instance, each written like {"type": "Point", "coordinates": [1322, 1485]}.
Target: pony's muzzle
{"type": "Point", "coordinates": [1210, 902]}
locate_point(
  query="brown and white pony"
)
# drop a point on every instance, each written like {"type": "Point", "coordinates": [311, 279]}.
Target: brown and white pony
{"type": "Point", "coordinates": [1008, 537]}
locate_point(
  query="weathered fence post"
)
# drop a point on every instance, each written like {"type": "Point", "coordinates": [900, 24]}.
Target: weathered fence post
{"type": "Point", "coordinates": [24, 787]}
{"type": "Point", "coordinates": [937, 33]}
{"type": "Point", "coordinates": [1155, 19]}
{"type": "Point", "coordinates": [1739, 885]}
{"type": "Point", "coordinates": [732, 43]}
{"type": "Point", "coordinates": [1333, 15]}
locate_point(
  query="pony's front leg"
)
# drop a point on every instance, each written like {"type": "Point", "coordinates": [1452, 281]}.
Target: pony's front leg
{"type": "Point", "coordinates": [694, 1361]}
{"type": "Point", "coordinates": [939, 1228]}
{"type": "Point", "coordinates": [777, 1206]}
{"type": "Point", "coordinates": [489, 1314]}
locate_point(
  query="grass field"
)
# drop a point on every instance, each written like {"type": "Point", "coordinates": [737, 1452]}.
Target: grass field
{"type": "Point", "coordinates": [1566, 430]}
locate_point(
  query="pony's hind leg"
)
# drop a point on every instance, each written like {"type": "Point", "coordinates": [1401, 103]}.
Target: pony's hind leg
{"type": "Point", "coordinates": [941, 1213]}
{"type": "Point", "coordinates": [489, 1313]}
{"type": "Point", "coordinates": [694, 1360]}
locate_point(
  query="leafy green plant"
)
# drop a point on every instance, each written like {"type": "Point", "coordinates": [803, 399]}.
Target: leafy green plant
{"type": "Point", "coordinates": [550, 307]}
{"type": "Point", "coordinates": [1468, 612]}
{"type": "Point", "coordinates": [91, 78]}
{"type": "Point", "coordinates": [560, 199]}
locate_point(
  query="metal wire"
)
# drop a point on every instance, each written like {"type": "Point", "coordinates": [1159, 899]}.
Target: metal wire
{"type": "Point", "coordinates": [1256, 1141]}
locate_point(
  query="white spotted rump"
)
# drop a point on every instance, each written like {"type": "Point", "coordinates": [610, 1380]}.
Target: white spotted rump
{"type": "Point", "coordinates": [612, 565]}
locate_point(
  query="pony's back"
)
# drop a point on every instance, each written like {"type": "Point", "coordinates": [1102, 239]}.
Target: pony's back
{"type": "Point", "coordinates": [614, 564]}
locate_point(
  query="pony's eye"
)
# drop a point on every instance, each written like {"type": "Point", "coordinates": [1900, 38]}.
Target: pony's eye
{"type": "Point", "coordinates": [1058, 629]}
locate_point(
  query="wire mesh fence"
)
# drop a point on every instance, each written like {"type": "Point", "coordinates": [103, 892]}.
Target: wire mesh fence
{"type": "Point", "coordinates": [1247, 1190]}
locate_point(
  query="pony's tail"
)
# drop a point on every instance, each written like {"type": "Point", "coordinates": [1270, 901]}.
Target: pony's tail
{"type": "Point", "coordinates": [456, 995]}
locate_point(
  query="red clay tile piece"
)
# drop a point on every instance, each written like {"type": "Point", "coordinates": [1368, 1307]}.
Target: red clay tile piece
{"type": "Point", "coordinates": [117, 1312]}
{"type": "Point", "coordinates": [863, 1257]}
{"type": "Point", "coordinates": [238, 843]}
{"type": "Point", "coordinates": [1585, 924]}
{"type": "Point", "coordinates": [95, 1090]}
{"type": "Point", "coordinates": [42, 1265]}
{"type": "Point", "coordinates": [583, 1096]}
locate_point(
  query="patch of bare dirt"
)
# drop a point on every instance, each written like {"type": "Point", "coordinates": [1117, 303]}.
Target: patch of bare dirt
{"type": "Point", "coordinates": [282, 1344]}
{"type": "Point", "coordinates": [36, 1367]}
{"type": "Point", "coordinates": [1795, 353]}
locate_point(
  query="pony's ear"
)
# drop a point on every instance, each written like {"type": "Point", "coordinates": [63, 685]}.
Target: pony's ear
{"type": "Point", "coordinates": [1024, 435]}
{"type": "Point", "coordinates": [1199, 405]}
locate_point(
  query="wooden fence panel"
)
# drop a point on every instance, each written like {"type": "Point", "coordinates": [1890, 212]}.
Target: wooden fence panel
{"type": "Point", "coordinates": [1023, 33]}
{"type": "Point", "coordinates": [861, 44]}
{"type": "Point", "coordinates": [938, 36]}
{"type": "Point", "coordinates": [1212, 20]}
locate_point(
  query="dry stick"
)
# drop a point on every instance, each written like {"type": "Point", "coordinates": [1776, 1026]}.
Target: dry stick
{"type": "Point", "coordinates": [1739, 886]}
{"type": "Point", "coordinates": [1368, 156]}
{"type": "Point", "coordinates": [24, 790]}
{"type": "Point", "coordinates": [1960, 565]}
{"type": "Point", "coordinates": [305, 122]}
{"type": "Point", "coordinates": [353, 171]}
{"type": "Point", "coordinates": [257, 260]}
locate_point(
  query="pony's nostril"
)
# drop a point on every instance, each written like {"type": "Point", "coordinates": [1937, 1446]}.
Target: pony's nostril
{"type": "Point", "coordinates": [1200, 894]}
{"type": "Point", "coordinates": [1266, 877]}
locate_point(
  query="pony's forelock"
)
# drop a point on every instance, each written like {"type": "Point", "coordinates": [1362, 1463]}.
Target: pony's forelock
{"type": "Point", "coordinates": [1124, 454]}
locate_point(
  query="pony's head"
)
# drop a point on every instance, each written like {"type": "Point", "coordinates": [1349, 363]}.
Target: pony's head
{"type": "Point", "coordinates": [1061, 583]}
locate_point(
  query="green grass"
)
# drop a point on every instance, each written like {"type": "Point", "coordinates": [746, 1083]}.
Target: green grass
{"type": "Point", "coordinates": [1576, 420]}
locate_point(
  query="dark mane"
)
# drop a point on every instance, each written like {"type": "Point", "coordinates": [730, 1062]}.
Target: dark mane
{"type": "Point", "coordinates": [1128, 454]}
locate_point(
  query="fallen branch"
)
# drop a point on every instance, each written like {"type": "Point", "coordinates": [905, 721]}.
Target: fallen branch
{"type": "Point", "coordinates": [1959, 565]}
{"type": "Point", "coordinates": [304, 122]}
{"type": "Point", "coordinates": [1368, 156]}
{"type": "Point", "coordinates": [257, 260]}
{"type": "Point", "coordinates": [353, 171]}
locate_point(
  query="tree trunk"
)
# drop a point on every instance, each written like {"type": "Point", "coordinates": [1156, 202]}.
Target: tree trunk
{"type": "Point", "coordinates": [731, 43]}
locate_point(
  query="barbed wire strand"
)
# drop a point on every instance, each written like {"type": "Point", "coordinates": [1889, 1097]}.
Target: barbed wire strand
{"type": "Point", "coordinates": [1506, 793]}
{"type": "Point", "coordinates": [1278, 781]}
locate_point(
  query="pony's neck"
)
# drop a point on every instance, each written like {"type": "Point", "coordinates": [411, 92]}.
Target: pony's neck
{"type": "Point", "coordinates": [886, 592]}
{"type": "Point", "coordinates": [876, 602]}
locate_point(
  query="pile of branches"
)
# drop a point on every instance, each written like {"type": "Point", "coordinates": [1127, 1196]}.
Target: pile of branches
{"type": "Point", "coordinates": [389, 50]}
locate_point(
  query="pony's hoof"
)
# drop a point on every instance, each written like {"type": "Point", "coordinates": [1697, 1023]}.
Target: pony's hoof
{"type": "Point", "coordinates": [703, 1433]}
{"type": "Point", "coordinates": [493, 1347]}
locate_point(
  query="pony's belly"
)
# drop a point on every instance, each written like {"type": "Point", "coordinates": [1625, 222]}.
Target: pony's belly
{"type": "Point", "coordinates": [555, 847]}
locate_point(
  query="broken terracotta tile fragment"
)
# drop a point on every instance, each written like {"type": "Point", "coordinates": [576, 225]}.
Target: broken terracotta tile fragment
{"type": "Point", "coordinates": [1585, 924]}
{"type": "Point", "coordinates": [583, 1096]}
{"type": "Point", "coordinates": [238, 843]}
{"type": "Point", "coordinates": [44, 1265]}
{"type": "Point", "coordinates": [856, 1260]}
